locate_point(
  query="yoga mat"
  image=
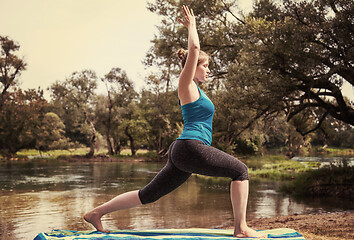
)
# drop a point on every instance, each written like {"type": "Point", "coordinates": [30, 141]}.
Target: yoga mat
{"type": "Point", "coordinates": [180, 234]}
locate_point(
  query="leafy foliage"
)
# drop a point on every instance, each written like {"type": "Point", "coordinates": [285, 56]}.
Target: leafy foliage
{"type": "Point", "coordinates": [20, 117]}
{"type": "Point", "coordinates": [120, 93]}
{"type": "Point", "coordinates": [50, 133]}
{"type": "Point", "coordinates": [11, 67]}
{"type": "Point", "coordinates": [73, 99]}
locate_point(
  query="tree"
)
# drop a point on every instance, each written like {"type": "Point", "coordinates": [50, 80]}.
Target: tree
{"type": "Point", "coordinates": [120, 93]}
{"type": "Point", "coordinates": [334, 132]}
{"type": "Point", "coordinates": [291, 62]}
{"type": "Point", "coordinates": [11, 67]}
{"type": "Point", "coordinates": [20, 117]}
{"type": "Point", "coordinates": [233, 131]}
{"type": "Point", "coordinates": [50, 133]}
{"type": "Point", "coordinates": [163, 114]}
{"type": "Point", "coordinates": [307, 48]}
{"type": "Point", "coordinates": [135, 127]}
{"type": "Point", "coordinates": [74, 96]}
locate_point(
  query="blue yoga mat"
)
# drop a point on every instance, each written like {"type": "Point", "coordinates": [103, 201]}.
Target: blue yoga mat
{"type": "Point", "coordinates": [163, 234]}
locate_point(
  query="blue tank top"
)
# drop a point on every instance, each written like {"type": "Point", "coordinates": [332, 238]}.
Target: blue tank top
{"type": "Point", "coordinates": [198, 119]}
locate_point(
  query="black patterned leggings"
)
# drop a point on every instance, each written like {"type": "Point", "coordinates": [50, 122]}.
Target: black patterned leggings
{"type": "Point", "coordinates": [191, 156]}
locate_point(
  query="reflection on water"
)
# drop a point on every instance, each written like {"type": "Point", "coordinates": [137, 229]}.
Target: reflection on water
{"type": "Point", "coordinates": [38, 196]}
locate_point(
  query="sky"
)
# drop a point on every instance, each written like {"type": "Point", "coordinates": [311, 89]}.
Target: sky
{"type": "Point", "coordinates": [59, 37]}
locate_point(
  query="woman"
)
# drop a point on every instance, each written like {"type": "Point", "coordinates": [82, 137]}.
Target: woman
{"type": "Point", "coordinates": [191, 152]}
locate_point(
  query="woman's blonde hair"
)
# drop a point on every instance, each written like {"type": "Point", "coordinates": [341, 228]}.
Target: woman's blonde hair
{"type": "Point", "coordinates": [182, 55]}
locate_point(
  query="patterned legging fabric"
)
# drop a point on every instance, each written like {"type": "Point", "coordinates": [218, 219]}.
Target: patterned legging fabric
{"type": "Point", "coordinates": [189, 156]}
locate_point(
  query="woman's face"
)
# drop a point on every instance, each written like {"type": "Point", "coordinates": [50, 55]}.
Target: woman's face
{"type": "Point", "coordinates": [202, 71]}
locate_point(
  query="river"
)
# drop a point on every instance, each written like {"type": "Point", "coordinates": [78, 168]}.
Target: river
{"type": "Point", "coordinates": [39, 196]}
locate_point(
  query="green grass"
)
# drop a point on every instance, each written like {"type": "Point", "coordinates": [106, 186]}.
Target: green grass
{"type": "Point", "coordinates": [279, 170]}
{"type": "Point", "coordinates": [55, 154]}
{"type": "Point", "coordinates": [141, 153]}
{"type": "Point", "coordinates": [77, 151]}
{"type": "Point", "coordinates": [275, 167]}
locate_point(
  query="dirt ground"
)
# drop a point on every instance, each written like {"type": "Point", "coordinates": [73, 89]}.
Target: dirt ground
{"type": "Point", "coordinates": [326, 226]}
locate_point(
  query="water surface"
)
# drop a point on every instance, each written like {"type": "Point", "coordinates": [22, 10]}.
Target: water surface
{"type": "Point", "coordinates": [39, 196]}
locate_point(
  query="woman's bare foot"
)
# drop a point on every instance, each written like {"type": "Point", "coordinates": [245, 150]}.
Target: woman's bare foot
{"type": "Point", "coordinates": [95, 219]}
{"type": "Point", "coordinates": [249, 232]}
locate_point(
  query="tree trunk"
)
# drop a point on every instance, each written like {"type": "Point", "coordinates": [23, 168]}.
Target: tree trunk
{"type": "Point", "coordinates": [168, 79]}
{"type": "Point", "coordinates": [131, 139]}
{"type": "Point", "coordinates": [92, 146]}
{"type": "Point", "coordinates": [108, 126]}
{"type": "Point", "coordinates": [109, 143]}
{"type": "Point", "coordinates": [132, 146]}
{"type": "Point", "coordinates": [159, 146]}
{"type": "Point", "coordinates": [92, 138]}
{"type": "Point", "coordinates": [116, 146]}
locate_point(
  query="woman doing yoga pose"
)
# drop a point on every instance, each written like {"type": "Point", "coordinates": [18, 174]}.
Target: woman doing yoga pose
{"type": "Point", "coordinates": [191, 152]}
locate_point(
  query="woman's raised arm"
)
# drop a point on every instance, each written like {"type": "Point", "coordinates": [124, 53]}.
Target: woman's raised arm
{"type": "Point", "coordinates": [187, 74]}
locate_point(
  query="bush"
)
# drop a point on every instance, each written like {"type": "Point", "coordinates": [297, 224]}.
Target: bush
{"type": "Point", "coordinates": [335, 181]}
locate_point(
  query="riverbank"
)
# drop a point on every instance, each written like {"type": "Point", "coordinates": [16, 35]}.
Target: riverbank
{"type": "Point", "coordinates": [80, 155]}
{"type": "Point", "coordinates": [324, 226]}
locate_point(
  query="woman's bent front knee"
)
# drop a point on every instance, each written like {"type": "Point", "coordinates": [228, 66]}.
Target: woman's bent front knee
{"type": "Point", "coordinates": [243, 173]}
{"type": "Point", "coordinates": [146, 198]}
